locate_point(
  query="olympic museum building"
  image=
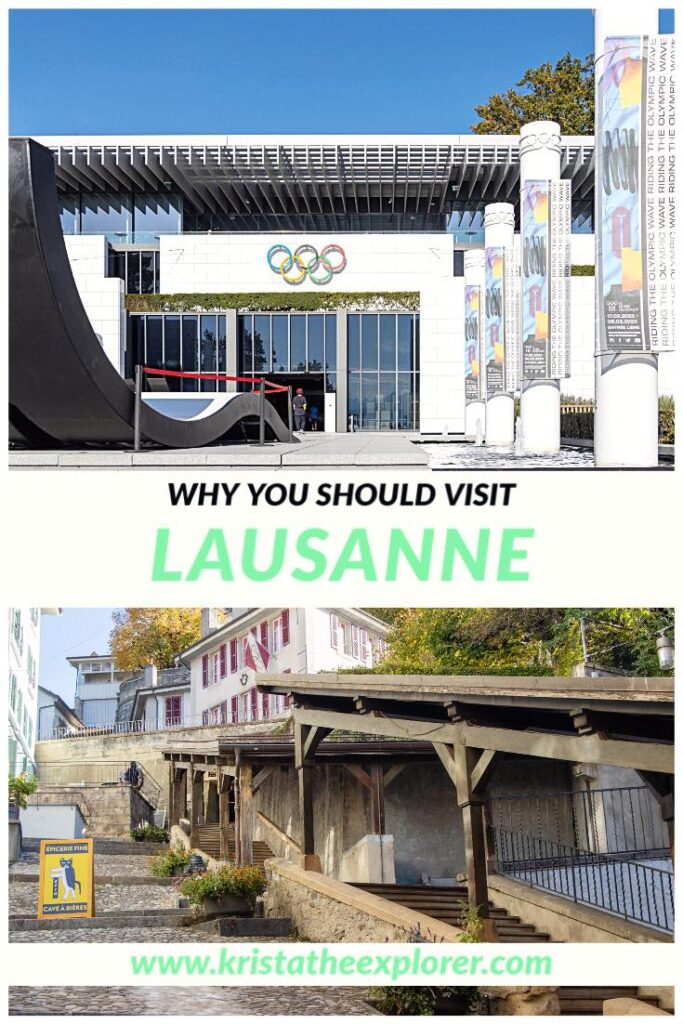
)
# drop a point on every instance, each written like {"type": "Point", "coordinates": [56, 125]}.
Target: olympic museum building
{"type": "Point", "coordinates": [329, 263]}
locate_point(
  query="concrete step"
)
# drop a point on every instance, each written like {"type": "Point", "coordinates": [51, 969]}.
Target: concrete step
{"type": "Point", "coordinates": [113, 846]}
{"type": "Point", "coordinates": [247, 927]}
{"type": "Point", "coordinates": [172, 917]}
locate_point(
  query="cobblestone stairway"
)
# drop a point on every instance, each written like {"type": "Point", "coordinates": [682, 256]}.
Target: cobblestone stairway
{"type": "Point", "coordinates": [208, 841]}
{"type": "Point", "coordinates": [447, 903]}
{"type": "Point", "coordinates": [584, 1001]}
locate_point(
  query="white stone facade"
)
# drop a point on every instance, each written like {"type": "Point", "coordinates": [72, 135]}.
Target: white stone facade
{"type": "Point", "coordinates": [103, 297]}
{"type": "Point", "coordinates": [296, 640]}
{"type": "Point", "coordinates": [23, 649]}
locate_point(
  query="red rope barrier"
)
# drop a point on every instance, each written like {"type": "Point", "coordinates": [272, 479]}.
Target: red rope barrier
{"type": "Point", "coordinates": [191, 375]}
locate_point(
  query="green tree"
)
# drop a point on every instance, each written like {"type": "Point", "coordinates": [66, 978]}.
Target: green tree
{"type": "Point", "coordinates": [523, 641]}
{"type": "Point", "coordinates": [561, 92]}
{"type": "Point", "coordinates": [146, 636]}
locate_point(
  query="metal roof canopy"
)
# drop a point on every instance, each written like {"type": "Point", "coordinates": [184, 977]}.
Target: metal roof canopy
{"type": "Point", "coordinates": [325, 180]}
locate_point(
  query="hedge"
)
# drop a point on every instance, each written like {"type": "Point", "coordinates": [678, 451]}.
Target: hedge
{"type": "Point", "coordinates": [297, 301]}
{"type": "Point", "coordinates": [580, 424]}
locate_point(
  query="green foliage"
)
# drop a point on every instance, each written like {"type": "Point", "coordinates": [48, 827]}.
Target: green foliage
{"type": "Point", "coordinates": [149, 833]}
{"type": "Point", "coordinates": [422, 1001]}
{"type": "Point", "coordinates": [297, 301]}
{"type": "Point", "coordinates": [247, 882]}
{"type": "Point", "coordinates": [667, 419]}
{"type": "Point", "coordinates": [583, 270]}
{"type": "Point", "coordinates": [471, 923]}
{"type": "Point", "coordinates": [20, 788]}
{"type": "Point", "coordinates": [522, 641]}
{"type": "Point", "coordinates": [163, 864]}
{"type": "Point", "coordinates": [562, 92]}
{"type": "Point", "coordinates": [580, 425]}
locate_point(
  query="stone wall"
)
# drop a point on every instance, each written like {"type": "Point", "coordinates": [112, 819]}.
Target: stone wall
{"type": "Point", "coordinates": [107, 810]}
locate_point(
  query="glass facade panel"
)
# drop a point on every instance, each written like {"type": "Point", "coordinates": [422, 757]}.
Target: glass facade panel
{"type": "Point", "coordinates": [369, 334]}
{"type": "Point", "coordinates": [405, 342]}
{"type": "Point", "coordinates": [298, 342]}
{"type": "Point", "coordinates": [354, 401]}
{"type": "Point", "coordinates": [387, 343]}
{"type": "Point", "coordinates": [331, 341]}
{"type": "Point", "coordinates": [280, 343]}
{"type": "Point", "coordinates": [387, 401]}
{"type": "Point", "coordinates": [106, 214]}
{"type": "Point", "coordinates": [136, 343]}
{"type": "Point", "coordinates": [172, 350]}
{"type": "Point", "coordinates": [353, 341]}
{"type": "Point", "coordinates": [133, 273]}
{"type": "Point", "coordinates": [245, 331]}
{"type": "Point", "coordinates": [261, 343]}
{"type": "Point", "coordinates": [368, 405]}
{"type": "Point", "coordinates": [147, 265]}
{"type": "Point", "coordinates": [69, 214]}
{"type": "Point", "coordinates": [190, 354]}
{"type": "Point", "coordinates": [406, 383]}
{"type": "Point", "coordinates": [158, 214]}
{"type": "Point", "coordinates": [208, 350]}
{"type": "Point", "coordinates": [316, 343]}
{"type": "Point", "coordinates": [222, 351]}
{"type": "Point", "coordinates": [154, 350]}
{"type": "Point", "coordinates": [116, 264]}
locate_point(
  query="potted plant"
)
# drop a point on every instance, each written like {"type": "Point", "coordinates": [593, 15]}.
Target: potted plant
{"type": "Point", "coordinates": [20, 788]}
{"type": "Point", "coordinates": [148, 833]}
{"type": "Point", "coordinates": [226, 891]}
{"type": "Point", "coordinates": [171, 862]}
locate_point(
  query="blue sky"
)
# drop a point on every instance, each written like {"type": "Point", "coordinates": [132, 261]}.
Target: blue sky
{"type": "Point", "coordinates": [219, 71]}
{"type": "Point", "coordinates": [76, 631]}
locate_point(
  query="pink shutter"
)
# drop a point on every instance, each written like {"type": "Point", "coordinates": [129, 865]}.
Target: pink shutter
{"type": "Point", "coordinates": [265, 703]}
{"type": "Point", "coordinates": [223, 661]}
{"type": "Point", "coordinates": [253, 704]}
{"type": "Point", "coordinates": [205, 670]}
{"type": "Point", "coordinates": [355, 642]}
{"type": "Point", "coordinates": [234, 709]}
{"type": "Point", "coordinates": [233, 655]}
{"type": "Point", "coordinates": [334, 632]}
{"type": "Point", "coordinates": [364, 646]}
{"type": "Point", "coordinates": [285, 626]}
{"type": "Point", "coordinates": [264, 634]}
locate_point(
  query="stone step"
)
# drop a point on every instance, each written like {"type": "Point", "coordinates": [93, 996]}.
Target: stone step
{"type": "Point", "coordinates": [111, 846]}
{"type": "Point", "coordinates": [586, 1000]}
{"type": "Point", "coordinates": [247, 927]}
{"type": "Point", "coordinates": [152, 918]}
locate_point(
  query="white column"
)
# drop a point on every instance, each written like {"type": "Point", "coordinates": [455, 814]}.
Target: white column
{"type": "Point", "coordinates": [499, 231]}
{"type": "Point", "coordinates": [475, 410]}
{"type": "Point", "coordinates": [539, 160]}
{"type": "Point", "coordinates": [626, 391]}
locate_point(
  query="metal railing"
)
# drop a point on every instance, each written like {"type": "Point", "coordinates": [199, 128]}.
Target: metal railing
{"type": "Point", "coordinates": [167, 722]}
{"type": "Point", "coordinates": [618, 819]}
{"type": "Point", "coordinates": [634, 890]}
{"type": "Point", "coordinates": [78, 775]}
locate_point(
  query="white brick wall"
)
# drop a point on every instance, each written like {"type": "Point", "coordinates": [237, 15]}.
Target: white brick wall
{"type": "Point", "coordinates": [102, 296]}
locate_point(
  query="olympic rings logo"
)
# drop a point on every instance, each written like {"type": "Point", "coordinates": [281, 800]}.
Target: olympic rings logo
{"type": "Point", "coordinates": [294, 266]}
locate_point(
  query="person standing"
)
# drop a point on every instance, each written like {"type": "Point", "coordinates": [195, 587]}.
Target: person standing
{"type": "Point", "coordinates": [313, 417]}
{"type": "Point", "coordinates": [299, 405]}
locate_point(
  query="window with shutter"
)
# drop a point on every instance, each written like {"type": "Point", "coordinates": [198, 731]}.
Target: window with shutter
{"type": "Point", "coordinates": [233, 655]}
{"type": "Point", "coordinates": [224, 712]}
{"type": "Point", "coordinates": [234, 708]}
{"type": "Point", "coordinates": [173, 711]}
{"type": "Point", "coordinates": [285, 627]}
{"type": "Point", "coordinates": [265, 704]}
{"type": "Point", "coordinates": [334, 632]}
{"type": "Point", "coordinates": [355, 642]}
{"type": "Point", "coordinates": [253, 705]}
{"type": "Point", "coordinates": [277, 635]}
{"type": "Point", "coordinates": [205, 717]}
{"type": "Point", "coordinates": [224, 661]}
{"type": "Point", "coordinates": [205, 670]}
{"type": "Point", "coordinates": [364, 646]}
{"type": "Point", "coordinates": [264, 634]}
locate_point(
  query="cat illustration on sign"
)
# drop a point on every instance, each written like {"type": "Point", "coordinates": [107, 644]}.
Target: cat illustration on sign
{"type": "Point", "coordinates": [66, 874]}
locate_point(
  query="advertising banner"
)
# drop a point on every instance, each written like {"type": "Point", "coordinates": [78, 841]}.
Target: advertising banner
{"type": "Point", "coordinates": [66, 880]}
{"type": "Point", "coordinates": [495, 321]}
{"type": "Point", "coordinates": [473, 362]}
{"type": "Point", "coordinates": [636, 200]}
{"type": "Point", "coordinates": [512, 276]}
{"type": "Point", "coordinates": [546, 270]}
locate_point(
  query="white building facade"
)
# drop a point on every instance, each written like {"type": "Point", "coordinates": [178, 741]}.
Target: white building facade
{"type": "Point", "coordinates": [250, 233]}
{"type": "Point", "coordinates": [23, 658]}
{"type": "Point", "coordinates": [225, 663]}
{"type": "Point", "coordinates": [97, 688]}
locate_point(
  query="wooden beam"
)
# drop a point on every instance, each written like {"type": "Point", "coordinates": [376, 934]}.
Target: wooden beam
{"type": "Point", "coordinates": [261, 777]}
{"type": "Point", "coordinates": [359, 774]}
{"type": "Point", "coordinates": [313, 741]}
{"type": "Point", "coordinates": [246, 824]}
{"type": "Point", "coordinates": [482, 770]}
{"type": "Point", "coordinates": [304, 751]}
{"type": "Point", "coordinates": [377, 799]}
{"type": "Point", "coordinates": [276, 830]}
{"type": "Point", "coordinates": [391, 773]}
{"type": "Point", "coordinates": [557, 747]}
{"type": "Point", "coordinates": [224, 787]}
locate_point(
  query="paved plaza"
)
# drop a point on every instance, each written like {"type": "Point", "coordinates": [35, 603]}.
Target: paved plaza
{"type": "Point", "coordinates": [202, 1002]}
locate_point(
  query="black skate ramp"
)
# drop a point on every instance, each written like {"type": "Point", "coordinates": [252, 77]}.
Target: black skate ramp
{"type": "Point", "coordinates": [63, 389]}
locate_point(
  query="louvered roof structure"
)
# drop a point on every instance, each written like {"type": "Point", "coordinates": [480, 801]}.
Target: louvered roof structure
{"type": "Point", "coordinates": [316, 182]}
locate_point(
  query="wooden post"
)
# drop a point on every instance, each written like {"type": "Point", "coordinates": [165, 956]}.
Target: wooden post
{"type": "Point", "coordinates": [224, 783]}
{"type": "Point", "coordinates": [306, 739]}
{"type": "Point", "coordinates": [238, 816]}
{"type": "Point", "coordinates": [246, 824]}
{"type": "Point", "coordinates": [212, 814]}
{"type": "Point", "coordinates": [172, 796]}
{"type": "Point", "coordinates": [197, 782]}
{"type": "Point", "coordinates": [377, 798]}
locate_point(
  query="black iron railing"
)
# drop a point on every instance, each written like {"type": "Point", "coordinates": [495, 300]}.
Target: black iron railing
{"type": "Point", "coordinates": [622, 819]}
{"type": "Point", "coordinates": [632, 889]}
{"type": "Point", "coordinates": [65, 775]}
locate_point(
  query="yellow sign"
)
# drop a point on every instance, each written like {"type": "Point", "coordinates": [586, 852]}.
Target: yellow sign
{"type": "Point", "coordinates": [67, 878]}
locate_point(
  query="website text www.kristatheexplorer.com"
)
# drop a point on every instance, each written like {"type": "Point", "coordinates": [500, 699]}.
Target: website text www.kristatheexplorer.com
{"type": "Point", "coordinates": [425, 965]}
